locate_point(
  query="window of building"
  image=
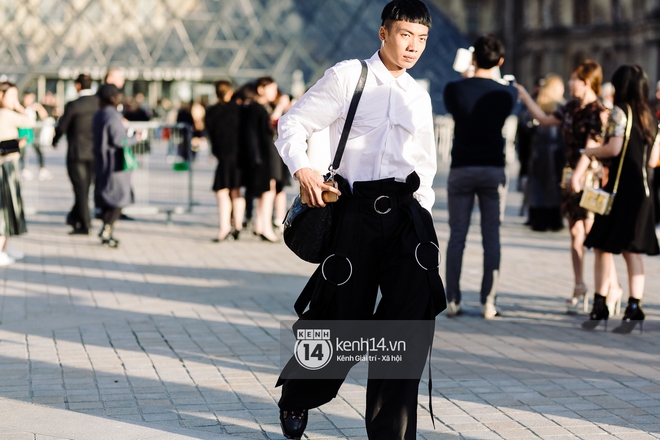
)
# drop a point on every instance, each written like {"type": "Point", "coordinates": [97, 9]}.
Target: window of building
{"type": "Point", "coordinates": [545, 14]}
{"type": "Point", "coordinates": [616, 11]}
{"type": "Point", "coordinates": [582, 11]}
{"type": "Point", "coordinates": [473, 27]}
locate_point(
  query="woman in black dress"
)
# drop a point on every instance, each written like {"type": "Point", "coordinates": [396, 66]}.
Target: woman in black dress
{"type": "Point", "coordinates": [223, 124]}
{"type": "Point", "coordinates": [265, 168]}
{"type": "Point", "coordinates": [629, 229]}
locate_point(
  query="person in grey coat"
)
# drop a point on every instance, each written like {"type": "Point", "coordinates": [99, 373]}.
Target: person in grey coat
{"type": "Point", "coordinates": [113, 185]}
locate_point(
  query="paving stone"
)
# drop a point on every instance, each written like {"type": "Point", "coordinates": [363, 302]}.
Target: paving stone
{"type": "Point", "coordinates": [176, 332]}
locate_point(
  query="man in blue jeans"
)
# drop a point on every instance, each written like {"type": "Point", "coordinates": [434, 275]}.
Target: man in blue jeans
{"type": "Point", "coordinates": [480, 106]}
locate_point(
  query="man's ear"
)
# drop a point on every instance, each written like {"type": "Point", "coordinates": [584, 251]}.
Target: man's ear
{"type": "Point", "coordinates": [382, 33]}
{"type": "Point", "coordinates": [500, 62]}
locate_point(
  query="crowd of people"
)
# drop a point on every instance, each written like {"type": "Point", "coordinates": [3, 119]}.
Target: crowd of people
{"type": "Point", "coordinates": [241, 129]}
{"type": "Point", "coordinates": [602, 137]}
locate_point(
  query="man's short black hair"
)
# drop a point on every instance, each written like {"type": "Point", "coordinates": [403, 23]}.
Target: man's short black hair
{"type": "Point", "coordinates": [488, 50]}
{"type": "Point", "coordinates": [413, 11]}
{"type": "Point", "coordinates": [85, 81]}
{"type": "Point", "coordinates": [109, 95]}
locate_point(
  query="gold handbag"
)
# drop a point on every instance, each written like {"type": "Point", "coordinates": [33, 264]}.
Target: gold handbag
{"type": "Point", "coordinates": [598, 200]}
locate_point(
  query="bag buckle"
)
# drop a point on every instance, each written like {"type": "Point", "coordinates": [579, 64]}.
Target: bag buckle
{"type": "Point", "coordinates": [389, 208]}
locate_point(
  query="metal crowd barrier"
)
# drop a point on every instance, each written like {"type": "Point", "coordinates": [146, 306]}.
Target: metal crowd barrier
{"type": "Point", "coordinates": [444, 136]}
{"type": "Point", "coordinates": [32, 186]}
{"type": "Point", "coordinates": [163, 182]}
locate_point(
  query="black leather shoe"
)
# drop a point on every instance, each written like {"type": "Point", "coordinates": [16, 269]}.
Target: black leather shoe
{"type": "Point", "coordinates": [79, 231]}
{"type": "Point", "coordinates": [293, 423]}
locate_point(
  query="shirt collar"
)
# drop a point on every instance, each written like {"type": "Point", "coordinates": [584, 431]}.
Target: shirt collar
{"type": "Point", "coordinates": [384, 76]}
{"type": "Point", "coordinates": [86, 92]}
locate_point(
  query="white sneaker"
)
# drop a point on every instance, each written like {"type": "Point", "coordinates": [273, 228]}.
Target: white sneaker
{"type": "Point", "coordinates": [27, 174]}
{"type": "Point", "coordinates": [44, 174]}
{"type": "Point", "coordinates": [489, 311]}
{"type": "Point", "coordinates": [453, 309]}
{"type": "Point", "coordinates": [6, 260]}
{"type": "Point", "coordinates": [13, 253]}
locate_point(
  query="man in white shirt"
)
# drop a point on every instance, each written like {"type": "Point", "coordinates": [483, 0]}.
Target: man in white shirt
{"type": "Point", "coordinates": [383, 229]}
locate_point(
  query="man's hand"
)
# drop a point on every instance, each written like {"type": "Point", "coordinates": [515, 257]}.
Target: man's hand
{"type": "Point", "coordinates": [312, 187]}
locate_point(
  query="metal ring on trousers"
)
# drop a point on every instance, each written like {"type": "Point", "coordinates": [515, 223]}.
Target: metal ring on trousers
{"type": "Point", "coordinates": [376, 205]}
{"type": "Point", "coordinates": [417, 258]}
{"type": "Point", "coordinates": [350, 274]}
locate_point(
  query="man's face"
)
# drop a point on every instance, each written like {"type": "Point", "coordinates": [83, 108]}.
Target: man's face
{"type": "Point", "coordinates": [403, 43]}
{"type": "Point", "coordinates": [116, 77]}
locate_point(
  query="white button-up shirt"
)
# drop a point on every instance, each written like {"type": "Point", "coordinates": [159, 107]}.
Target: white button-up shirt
{"type": "Point", "coordinates": [392, 134]}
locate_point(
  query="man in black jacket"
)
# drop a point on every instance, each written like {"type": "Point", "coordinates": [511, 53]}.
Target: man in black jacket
{"type": "Point", "coordinates": [76, 124]}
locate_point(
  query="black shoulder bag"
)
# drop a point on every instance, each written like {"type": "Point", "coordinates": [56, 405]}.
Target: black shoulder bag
{"type": "Point", "coordinates": [7, 147]}
{"type": "Point", "coordinates": [308, 231]}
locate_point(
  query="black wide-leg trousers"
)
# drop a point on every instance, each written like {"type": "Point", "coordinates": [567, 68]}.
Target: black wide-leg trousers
{"type": "Point", "coordinates": [391, 244]}
{"type": "Point", "coordinates": [80, 174]}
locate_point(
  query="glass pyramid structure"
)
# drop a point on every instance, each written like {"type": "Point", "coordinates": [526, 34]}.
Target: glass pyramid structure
{"type": "Point", "coordinates": [205, 40]}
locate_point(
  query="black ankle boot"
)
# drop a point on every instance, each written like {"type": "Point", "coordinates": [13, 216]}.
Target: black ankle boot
{"type": "Point", "coordinates": [598, 313]}
{"type": "Point", "coordinates": [293, 423]}
{"type": "Point", "coordinates": [631, 318]}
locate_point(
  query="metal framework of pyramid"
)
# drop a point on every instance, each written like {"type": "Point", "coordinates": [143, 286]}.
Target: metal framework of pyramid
{"type": "Point", "coordinates": [204, 40]}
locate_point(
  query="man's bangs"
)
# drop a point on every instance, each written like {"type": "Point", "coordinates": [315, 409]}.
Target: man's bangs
{"type": "Point", "coordinates": [412, 11]}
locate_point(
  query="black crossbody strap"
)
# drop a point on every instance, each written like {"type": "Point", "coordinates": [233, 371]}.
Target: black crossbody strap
{"type": "Point", "coordinates": [349, 120]}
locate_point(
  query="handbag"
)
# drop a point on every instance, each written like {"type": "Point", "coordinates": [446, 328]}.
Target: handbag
{"type": "Point", "coordinates": [308, 231]}
{"type": "Point", "coordinates": [10, 146]}
{"type": "Point", "coordinates": [599, 200]}
{"type": "Point", "coordinates": [130, 162]}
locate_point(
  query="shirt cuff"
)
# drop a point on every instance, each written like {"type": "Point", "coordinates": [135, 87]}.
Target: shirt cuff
{"type": "Point", "coordinates": [297, 162]}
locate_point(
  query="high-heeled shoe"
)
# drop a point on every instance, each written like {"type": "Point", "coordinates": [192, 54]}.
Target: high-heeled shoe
{"type": "Point", "coordinates": [598, 313]}
{"type": "Point", "coordinates": [236, 233]}
{"type": "Point", "coordinates": [631, 317]}
{"type": "Point", "coordinates": [614, 301]}
{"type": "Point", "coordinates": [579, 296]}
{"type": "Point", "coordinates": [270, 240]}
{"type": "Point", "coordinates": [220, 239]}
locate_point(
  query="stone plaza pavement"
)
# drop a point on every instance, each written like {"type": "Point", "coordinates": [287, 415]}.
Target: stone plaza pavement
{"type": "Point", "coordinates": [172, 336]}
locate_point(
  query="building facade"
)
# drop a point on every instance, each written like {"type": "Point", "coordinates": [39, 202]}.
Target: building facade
{"type": "Point", "coordinates": [545, 36]}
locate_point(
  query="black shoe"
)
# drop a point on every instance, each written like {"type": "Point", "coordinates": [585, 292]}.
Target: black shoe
{"type": "Point", "coordinates": [293, 423]}
{"type": "Point", "coordinates": [79, 231]}
{"type": "Point", "coordinates": [235, 233]}
{"type": "Point", "coordinates": [218, 240]}
{"type": "Point", "coordinates": [598, 313]}
{"type": "Point", "coordinates": [125, 217]}
{"type": "Point", "coordinates": [632, 316]}
{"type": "Point", "coordinates": [264, 238]}
{"type": "Point", "coordinates": [106, 236]}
